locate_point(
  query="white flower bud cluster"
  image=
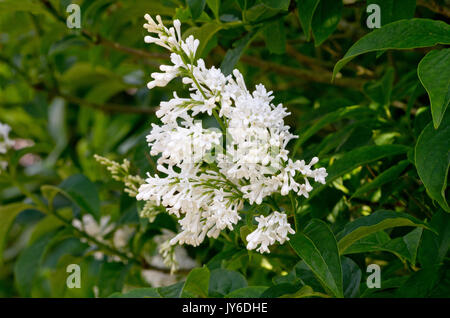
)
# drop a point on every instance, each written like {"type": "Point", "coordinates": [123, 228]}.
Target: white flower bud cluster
{"type": "Point", "coordinates": [5, 143]}
{"type": "Point", "coordinates": [250, 156]}
{"type": "Point", "coordinates": [121, 172]}
{"type": "Point", "coordinates": [271, 229]}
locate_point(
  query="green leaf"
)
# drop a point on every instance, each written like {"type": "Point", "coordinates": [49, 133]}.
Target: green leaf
{"type": "Point", "coordinates": [351, 277]}
{"type": "Point", "coordinates": [281, 289]}
{"type": "Point", "coordinates": [403, 34]}
{"type": "Point", "coordinates": [80, 190]}
{"type": "Point", "coordinates": [434, 74]}
{"type": "Point", "coordinates": [30, 6]}
{"type": "Point", "coordinates": [403, 247]}
{"type": "Point", "coordinates": [214, 5]}
{"type": "Point", "coordinates": [112, 277]}
{"type": "Point", "coordinates": [432, 160]}
{"type": "Point", "coordinates": [434, 246]}
{"type": "Point", "coordinates": [232, 56]}
{"type": "Point", "coordinates": [346, 112]}
{"type": "Point", "coordinates": [386, 176]}
{"type": "Point", "coordinates": [325, 20]}
{"type": "Point", "coordinates": [172, 291]}
{"type": "Point", "coordinates": [369, 243]}
{"type": "Point", "coordinates": [380, 91]}
{"type": "Point", "coordinates": [406, 246]}
{"type": "Point", "coordinates": [317, 246]}
{"type": "Point", "coordinates": [147, 292]}
{"type": "Point", "coordinates": [306, 10]}
{"type": "Point", "coordinates": [393, 10]}
{"type": "Point", "coordinates": [247, 292]}
{"type": "Point", "coordinates": [27, 265]}
{"type": "Point", "coordinates": [277, 4]}
{"type": "Point", "coordinates": [420, 283]}
{"type": "Point", "coordinates": [372, 223]}
{"type": "Point", "coordinates": [196, 7]}
{"type": "Point", "coordinates": [8, 214]}
{"type": "Point", "coordinates": [224, 281]}
{"type": "Point", "coordinates": [275, 37]}
{"type": "Point", "coordinates": [356, 158]}
{"type": "Point", "coordinates": [204, 34]}
{"type": "Point", "coordinates": [197, 283]}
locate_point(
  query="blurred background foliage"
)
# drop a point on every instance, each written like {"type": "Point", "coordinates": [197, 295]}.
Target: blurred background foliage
{"type": "Point", "coordinates": [71, 93]}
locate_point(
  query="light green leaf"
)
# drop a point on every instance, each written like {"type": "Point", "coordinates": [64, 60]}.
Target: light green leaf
{"type": "Point", "coordinates": [433, 160]}
{"type": "Point", "coordinates": [306, 10]}
{"type": "Point", "coordinates": [197, 283]}
{"type": "Point", "coordinates": [403, 34]}
{"type": "Point", "coordinates": [8, 214]}
{"type": "Point", "coordinates": [325, 20]}
{"type": "Point", "coordinates": [317, 246]}
{"type": "Point", "coordinates": [434, 74]}
{"type": "Point", "coordinates": [375, 222]}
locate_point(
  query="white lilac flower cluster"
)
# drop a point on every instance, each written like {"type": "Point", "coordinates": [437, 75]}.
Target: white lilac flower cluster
{"type": "Point", "coordinates": [250, 160]}
{"type": "Point", "coordinates": [5, 143]}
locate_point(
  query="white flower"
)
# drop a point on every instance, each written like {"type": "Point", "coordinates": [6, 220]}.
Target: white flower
{"type": "Point", "coordinates": [5, 143]}
{"type": "Point", "coordinates": [271, 229]}
{"type": "Point", "coordinates": [207, 195]}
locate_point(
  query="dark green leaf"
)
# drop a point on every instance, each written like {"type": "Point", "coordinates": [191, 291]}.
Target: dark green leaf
{"type": "Point", "coordinates": [27, 265]}
{"type": "Point", "coordinates": [434, 246]}
{"type": "Point", "coordinates": [197, 283]}
{"type": "Point", "coordinates": [375, 222]}
{"type": "Point", "coordinates": [147, 292]}
{"type": "Point", "coordinates": [393, 10]}
{"type": "Point", "coordinates": [380, 91]}
{"type": "Point", "coordinates": [433, 160]}
{"type": "Point", "coordinates": [387, 176]}
{"type": "Point", "coordinates": [306, 10]}
{"type": "Point", "coordinates": [247, 292]}
{"type": "Point", "coordinates": [325, 20]}
{"type": "Point", "coordinates": [277, 4]}
{"type": "Point", "coordinates": [196, 7]}
{"type": "Point", "coordinates": [7, 215]}
{"type": "Point", "coordinates": [404, 34]}
{"type": "Point", "coordinates": [317, 246]}
{"type": "Point", "coordinates": [358, 157]}
{"type": "Point", "coordinates": [351, 277]}
{"type": "Point", "coordinates": [434, 73]}
{"type": "Point", "coordinates": [224, 281]}
{"type": "Point", "coordinates": [232, 56]}
{"type": "Point", "coordinates": [275, 37]}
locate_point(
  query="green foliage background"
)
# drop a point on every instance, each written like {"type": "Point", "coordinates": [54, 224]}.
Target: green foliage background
{"type": "Point", "coordinates": [380, 128]}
